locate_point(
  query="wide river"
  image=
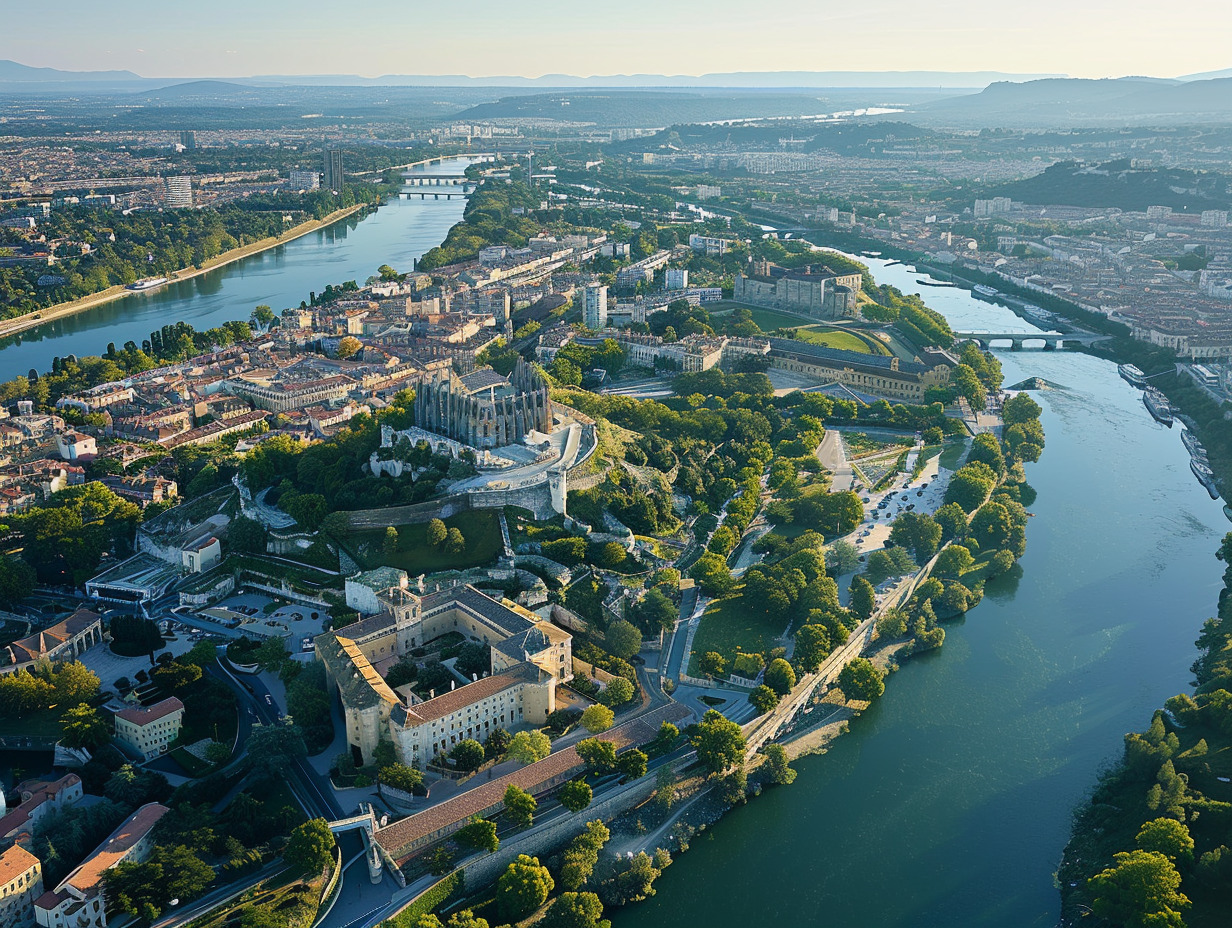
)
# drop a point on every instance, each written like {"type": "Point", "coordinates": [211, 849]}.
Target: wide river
{"type": "Point", "coordinates": [397, 234]}
{"type": "Point", "coordinates": [949, 802]}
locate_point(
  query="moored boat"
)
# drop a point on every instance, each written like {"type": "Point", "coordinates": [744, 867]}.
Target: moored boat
{"type": "Point", "coordinates": [1132, 374]}
{"type": "Point", "coordinates": [1206, 477]}
{"type": "Point", "coordinates": [149, 283]}
{"type": "Point", "coordinates": [1158, 406]}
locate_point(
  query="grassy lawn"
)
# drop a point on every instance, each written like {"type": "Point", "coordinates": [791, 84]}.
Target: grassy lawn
{"type": "Point", "coordinates": [927, 453]}
{"type": "Point", "coordinates": [840, 338]}
{"type": "Point", "coordinates": [727, 627]}
{"type": "Point", "coordinates": [193, 765]}
{"type": "Point", "coordinates": [45, 724]}
{"type": "Point", "coordinates": [480, 528]}
{"type": "Point", "coordinates": [952, 453]}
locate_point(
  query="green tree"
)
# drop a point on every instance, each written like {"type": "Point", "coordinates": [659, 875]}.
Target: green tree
{"type": "Point", "coordinates": [349, 346]}
{"type": "Point", "coordinates": [310, 847]}
{"type": "Point", "coordinates": [1140, 890]}
{"type": "Point", "coordinates": [842, 557]}
{"type": "Point", "coordinates": [575, 910]}
{"type": "Point", "coordinates": [468, 754]}
{"type": "Point", "coordinates": [597, 718]}
{"type": "Point", "coordinates": [390, 542]}
{"type": "Point", "coordinates": [262, 316]}
{"type": "Point", "coordinates": [437, 533]}
{"type": "Point", "coordinates": [522, 888]}
{"type": "Point", "coordinates": [765, 699]}
{"type": "Point", "coordinates": [616, 693]}
{"type": "Point", "coordinates": [712, 574]}
{"type": "Point", "coordinates": [598, 755]}
{"type": "Point", "coordinates": [632, 764]}
{"type": "Point", "coordinates": [247, 536]}
{"type": "Point", "coordinates": [918, 533]}
{"type": "Point", "coordinates": [812, 646]}
{"type": "Point", "coordinates": [778, 769]}
{"type": "Point", "coordinates": [861, 680]}
{"type": "Point", "coordinates": [575, 795]}
{"type": "Point", "coordinates": [719, 742]}
{"type": "Point", "coordinates": [1020, 408]}
{"type": "Point", "coordinates": [480, 834]}
{"type": "Point", "coordinates": [455, 543]}
{"type": "Point", "coordinates": [712, 664]}
{"type": "Point", "coordinates": [623, 639]}
{"type": "Point", "coordinates": [400, 776]}
{"type": "Point", "coordinates": [520, 805]}
{"type": "Point", "coordinates": [529, 747]}
{"type": "Point", "coordinates": [274, 748]}
{"type": "Point", "coordinates": [1169, 837]}
{"type": "Point", "coordinates": [863, 598]}
{"type": "Point", "coordinates": [84, 727]}
{"type": "Point", "coordinates": [954, 561]}
{"type": "Point", "coordinates": [779, 676]}
{"type": "Point", "coordinates": [953, 521]}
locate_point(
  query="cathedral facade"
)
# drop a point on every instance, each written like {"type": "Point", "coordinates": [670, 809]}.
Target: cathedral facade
{"type": "Point", "coordinates": [484, 410]}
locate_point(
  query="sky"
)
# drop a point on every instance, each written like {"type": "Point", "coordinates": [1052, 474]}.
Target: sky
{"type": "Point", "coordinates": [236, 38]}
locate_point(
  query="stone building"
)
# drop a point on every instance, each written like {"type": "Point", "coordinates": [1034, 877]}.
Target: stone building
{"type": "Point", "coordinates": [530, 657]}
{"type": "Point", "coordinates": [21, 882]}
{"type": "Point", "coordinates": [486, 411]}
{"type": "Point", "coordinates": [814, 290]}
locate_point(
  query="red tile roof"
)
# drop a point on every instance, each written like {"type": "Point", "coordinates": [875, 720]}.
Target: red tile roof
{"type": "Point", "coordinates": [144, 715]}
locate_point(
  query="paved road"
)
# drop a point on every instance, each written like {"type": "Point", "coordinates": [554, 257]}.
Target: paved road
{"type": "Point", "coordinates": [833, 457]}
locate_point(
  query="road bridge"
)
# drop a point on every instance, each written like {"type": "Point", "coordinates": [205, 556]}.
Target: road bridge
{"type": "Point", "coordinates": [1019, 340]}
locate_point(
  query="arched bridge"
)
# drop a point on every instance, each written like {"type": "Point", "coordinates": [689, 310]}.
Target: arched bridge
{"type": "Point", "coordinates": [1018, 340]}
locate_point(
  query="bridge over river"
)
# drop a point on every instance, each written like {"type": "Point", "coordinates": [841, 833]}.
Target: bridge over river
{"type": "Point", "coordinates": [1019, 340]}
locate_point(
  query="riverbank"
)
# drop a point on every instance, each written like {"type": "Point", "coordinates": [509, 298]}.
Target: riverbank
{"type": "Point", "coordinates": [26, 321]}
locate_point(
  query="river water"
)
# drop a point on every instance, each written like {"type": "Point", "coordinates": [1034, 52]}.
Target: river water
{"type": "Point", "coordinates": [949, 802]}
{"type": "Point", "coordinates": [351, 249]}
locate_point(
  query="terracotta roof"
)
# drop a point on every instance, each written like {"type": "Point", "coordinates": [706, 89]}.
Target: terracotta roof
{"type": "Point", "coordinates": [40, 643]}
{"type": "Point", "coordinates": [399, 836]}
{"type": "Point", "coordinates": [40, 791]}
{"type": "Point", "coordinates": [112, 851]}
{"type": "Point", "coordinates": [144, 715]}
{"type": "Point", "coordinates": [14, 862]}
{"type": "Point", "coordinates": [471, 693]}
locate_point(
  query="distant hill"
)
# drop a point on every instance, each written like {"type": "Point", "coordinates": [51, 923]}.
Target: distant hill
{"type": "Point", "coordinates": [1116, 184]}
{"type": "Point", "coordinates": [199, 89]}
{"type": "Point", "coordinates": [1071, 102]}
{"type": "Point", "coordinates": [646, 108]}
{"type": "Point", "coordinates": [1208, 75]}
{"type": "Point", "coordinates": [13, 72]}
{"type": "Point", "coordinates": [783, 80]}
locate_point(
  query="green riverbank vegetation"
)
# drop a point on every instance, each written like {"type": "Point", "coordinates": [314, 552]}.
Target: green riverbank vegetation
{"type": "Point", "coordinates": [1151, 845]}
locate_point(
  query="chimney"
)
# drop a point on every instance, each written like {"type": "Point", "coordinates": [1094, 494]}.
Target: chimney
{"type": "Point", "coordinates": [453, 685]}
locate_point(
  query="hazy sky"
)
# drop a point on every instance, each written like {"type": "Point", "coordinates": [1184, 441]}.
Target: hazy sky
{"type": "Point", "coordinates": [233, 38]}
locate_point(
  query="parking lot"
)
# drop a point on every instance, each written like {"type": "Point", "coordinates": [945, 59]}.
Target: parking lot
{"type": "Point", "coordinates": [258, 615]}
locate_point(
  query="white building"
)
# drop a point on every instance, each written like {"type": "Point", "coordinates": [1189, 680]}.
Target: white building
{"type": "Point", "coordinates": [985, 208]}
{"type": "Point", "coordinates": [201, 555]}
{"type": "Point", "coordinates": [21, 882]}
{"type": "Point", "coordinates": [708, 192]}
{"type": "Point", "coordinates": [76, 445]}
{"type": "Point", "coordinates": [149, 730]}
{"type": "Point", "coordinates": [304, 180]}
{"type": "Point", "coordinates": [676, 278]}
{"type": "Point", "coordinates": [594, 306]}
{"type": "Point", "coordinates": [1215, 218]}
{"type": "Point", "coordinates": [709, 244]}
{"type": "Point", "coordinates": [78, 902]}
{"type": "Point", "coordinates": [179, 192]}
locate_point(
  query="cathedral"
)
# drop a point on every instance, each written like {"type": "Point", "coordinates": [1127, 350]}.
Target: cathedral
{"type": "Point", "coordinates": [484, 409]}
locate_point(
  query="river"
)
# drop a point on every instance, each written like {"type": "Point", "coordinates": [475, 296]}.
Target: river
{"type": "Point", "coordinates": [351, 249]}
{"type": "Point", "coordinates": [949, 802]}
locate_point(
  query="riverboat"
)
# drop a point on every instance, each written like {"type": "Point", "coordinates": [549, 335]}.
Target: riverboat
{"type": "Point", "coordinates": [934, 283]}
{"type": "Point", "coordinates": [1158, 406]}
{"type": "Point", "coordinates": [984, 292]}
{"type": "Point", "coordinates": [1206, 477]}
{"type": "Point", "coordinates": [1193, 446]}
{"type": "Point", "coordinates": [1132, 374]}
{"type": "Point", "coordinates": [149, 283]}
